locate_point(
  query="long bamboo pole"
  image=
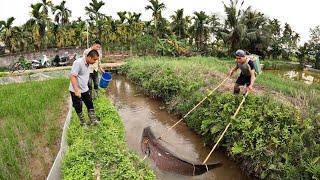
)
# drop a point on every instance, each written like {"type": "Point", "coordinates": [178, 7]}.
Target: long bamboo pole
{"type": "Point", "coordinates": [225, 130]}
{"type": "Point", "coordinates": [193, 108]}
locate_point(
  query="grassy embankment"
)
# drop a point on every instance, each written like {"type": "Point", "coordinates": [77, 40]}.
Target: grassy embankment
{"type": "Point", "coordinates": [101, 150]}
{"type": "Point", "coordinates": [270, 138]}
{"type": "Point", "coordinates": [30, 121]}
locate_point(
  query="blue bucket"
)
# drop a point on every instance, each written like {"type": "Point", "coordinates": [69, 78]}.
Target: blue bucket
{"type": "Point", "coordinates": [105, 79]}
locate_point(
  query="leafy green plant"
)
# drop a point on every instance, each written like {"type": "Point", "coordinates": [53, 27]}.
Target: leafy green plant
{"type": "Point", "coordinates": [102, 148]}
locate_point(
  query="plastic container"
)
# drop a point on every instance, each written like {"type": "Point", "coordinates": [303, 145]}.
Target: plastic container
{"type": "Point", "coordinates": [105, 79]}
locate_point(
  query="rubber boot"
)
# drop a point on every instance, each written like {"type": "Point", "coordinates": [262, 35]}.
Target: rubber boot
{"type": "Point", "coordinates": [82, 120]}
{"type": "Point", "coordinates": [92, 116]}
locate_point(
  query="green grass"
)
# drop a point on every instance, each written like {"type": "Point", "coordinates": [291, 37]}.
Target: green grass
{"type": "Point", "coordinates": [3, 69]}
{"type": "Point", "coordinates": [271, 64]}
{"type": "Point", "coordinates": [102, 148]}
{"type": "Point", "coordinates": [272, 139]}
{"type": "Point", "coordinates": [297, 91]}
{"type": "Point", "coordinates": [27, 111]}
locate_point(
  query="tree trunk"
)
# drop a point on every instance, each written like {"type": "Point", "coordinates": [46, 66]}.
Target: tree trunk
{"type": "Point", "coordinates": [131, 47]}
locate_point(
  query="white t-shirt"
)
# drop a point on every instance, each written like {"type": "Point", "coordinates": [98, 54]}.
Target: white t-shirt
{"type": "Point", "coordinates": [80, 69]}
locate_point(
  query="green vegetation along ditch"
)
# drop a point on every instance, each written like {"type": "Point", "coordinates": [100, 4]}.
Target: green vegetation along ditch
{"type": "Point", "coordinates": [271, 139]}
{"type": "Point", "coordinates": [101, 150]}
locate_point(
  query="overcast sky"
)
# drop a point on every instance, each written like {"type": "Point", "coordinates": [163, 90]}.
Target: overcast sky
{"type": "Point", "coordinates": [300, 14]}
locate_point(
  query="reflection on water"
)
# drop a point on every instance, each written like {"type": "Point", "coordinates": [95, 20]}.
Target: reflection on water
{"type": "Point", "coordinates": [139, 111]}
{"type": "Point", "coordinates": [305, 76]}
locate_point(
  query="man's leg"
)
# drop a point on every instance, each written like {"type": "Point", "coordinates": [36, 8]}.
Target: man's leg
{"type": "Point", "coordinates": [236, 88]}
{"type": "Point", "coordinates": [95, 79]}
{"type": "Point", "coordinates": [90, 84]}
{"type": "Point", "coordinates": [77, 104]}
{"type": "Point", "coordinates": [240, 82]}
{"type": "Point", "coordinates": [89, 104]}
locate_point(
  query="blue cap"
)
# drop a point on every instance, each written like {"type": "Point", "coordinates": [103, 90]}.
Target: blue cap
{"type": "Point", "coordinates": [240, 53]}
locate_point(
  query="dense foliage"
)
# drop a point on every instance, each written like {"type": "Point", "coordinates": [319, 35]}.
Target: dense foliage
{"type": "Point", "coordinates": [101, 151]}
{"type": "Point", "coordinates": [203, 34]}
{"type": "Point", "coordinates": [269, 138]}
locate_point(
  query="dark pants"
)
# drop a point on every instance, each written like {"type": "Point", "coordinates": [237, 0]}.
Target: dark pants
{"type": "Point", "coordinates": [241, 81]}
{"type": "Point", "coordinates": [93, 80]}
{"type": "Point", "coordinates": [77, 102]}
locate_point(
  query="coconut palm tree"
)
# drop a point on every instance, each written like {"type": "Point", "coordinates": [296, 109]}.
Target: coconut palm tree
{"type": "Point", "coordinates": [21, 38]}
{"type": "Point", "coordinates": [314, 44]}
{"type": "Point", "coordinates": [214, 28]}
{"type": "Point", "coordinates": [135, 28]}
{"type": "Point", "coordinates": [201, 30]}
{"type": "Point", "coordinates": [289, 41]}
{"type": "Point", "coordinates": [62, 13]}
{"type": "Point", "coordinates": [39, 20]}
{"type": "Point", "coordinates": [156, 8]}
{"type": "Point", "coordinates": [79, 27]}
{"type": "Point", "coordinates": [234, 30]}
{"type": "Point", "coordinates": [45, 4]}
{"type": "Point", "coordinates": [94, 8]}
{"type": "Point", "coordinates": [275, 30]}
{"type": "Point", "coordinates": [122, 16]}
{"type": "Point", "coordinates": [258, 34]}
{"type": "Point", "coordinates": [7, 31]}
{"type": "Point", "coordinates": [93, 12]}
{"type": "Point", "coordinates": [179, 24]}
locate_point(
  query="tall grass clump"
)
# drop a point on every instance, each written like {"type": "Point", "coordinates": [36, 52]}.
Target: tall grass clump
{"type": "Point", "coordinates": [28, 112]}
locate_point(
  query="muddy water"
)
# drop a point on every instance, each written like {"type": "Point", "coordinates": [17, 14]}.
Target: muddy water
{"type": "Point", "coordinates": [139, 111]}
{"type": "Point", "coordinates": [307, 77]}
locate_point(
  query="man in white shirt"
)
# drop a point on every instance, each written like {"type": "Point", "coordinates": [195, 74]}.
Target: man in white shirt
{"type": "Point", "coordinates": [94, 68]}
{"type": "Point", "coordinates": [78, 87]}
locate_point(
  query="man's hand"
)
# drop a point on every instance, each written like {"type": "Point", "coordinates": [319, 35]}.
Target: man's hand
{"type": "Point", "coordinates": [77, 92]}
{"type": "Point", "coordinates": [230, 73]}
{"type": "Point", "coordinates": [249, 88]}
{"type": "Point", "coordinates": [102, 71]}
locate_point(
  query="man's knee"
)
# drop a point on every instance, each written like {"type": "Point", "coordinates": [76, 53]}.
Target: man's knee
{"type": "Point", "coordinates": [236, 88]}
{"type": "Point", "coordinates": [77, 106]}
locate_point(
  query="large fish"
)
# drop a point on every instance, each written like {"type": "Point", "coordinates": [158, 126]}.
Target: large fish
{"type": "Point", "coordinates": [167, 161]}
